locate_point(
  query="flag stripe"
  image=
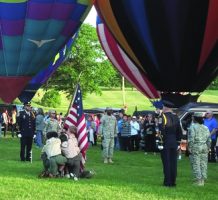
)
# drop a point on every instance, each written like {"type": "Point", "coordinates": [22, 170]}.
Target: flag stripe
{"type": "Point", "coordinates": [76, 117]}
{"type": "Point", "coordinates": [122, 62]}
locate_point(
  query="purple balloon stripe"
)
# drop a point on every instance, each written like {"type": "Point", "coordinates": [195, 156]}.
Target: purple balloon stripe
{"type": "Point", "coordinates": [43, 11]}
{"type": "Point", "coordinates": [39, 11]}
{"type": "Point", "coordinates": [69, 28]}
{"type": "Point", "coordinates": [62, 11]}
{"type": "Point", "coordinates": [12, 28]}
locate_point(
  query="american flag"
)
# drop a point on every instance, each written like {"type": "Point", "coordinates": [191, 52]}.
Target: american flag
{"type": "Point", "coordinates": [76, 117]}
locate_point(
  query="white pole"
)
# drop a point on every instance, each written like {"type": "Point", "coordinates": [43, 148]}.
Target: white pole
{"type": "Point", "coordinates": [123, 91]}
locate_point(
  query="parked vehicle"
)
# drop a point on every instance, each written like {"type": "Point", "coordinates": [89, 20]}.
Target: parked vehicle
{"type": "Point", "coordinates": [185, 115]}
{"type": "Point", "coordinates": [185, 112]}
{"type": "Point", "coordinates": [95, 111]}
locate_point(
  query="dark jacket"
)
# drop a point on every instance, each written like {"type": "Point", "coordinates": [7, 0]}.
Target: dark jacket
{"type": "Point", "coordinates": [171, 130]}
{"type": "Point", "coordinates": [26, 124]}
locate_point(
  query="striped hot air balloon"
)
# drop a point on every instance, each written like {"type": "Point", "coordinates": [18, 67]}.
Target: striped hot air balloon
{"type": "Point", "coordinates": [32, 33]}
{"type": "Point", "coordinates": [173, 42]}
{"type": "Point", "coordinates": [123, 63]}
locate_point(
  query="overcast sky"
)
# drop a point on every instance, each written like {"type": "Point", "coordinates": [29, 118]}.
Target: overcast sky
{"type": "Point", "coordinates": [91, 18]}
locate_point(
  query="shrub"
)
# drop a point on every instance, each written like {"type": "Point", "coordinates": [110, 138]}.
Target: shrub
{"type": "Point", "coordinates": [51, 98]}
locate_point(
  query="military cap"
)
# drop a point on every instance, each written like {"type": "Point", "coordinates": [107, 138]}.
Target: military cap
{"type": "Point", "coordinates": [52, 112]}
{"type": "Point", "coordinates": [198, 114]}
{"type": "Point", "coordinates": [108, 108]}
{"type": "Point", "coordinates": [168, 104]}
{"type": "Point", "coordinates": [27, 103]}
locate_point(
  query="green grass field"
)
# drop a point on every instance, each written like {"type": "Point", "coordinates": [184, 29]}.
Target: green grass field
{"type": "Point", "coordinates": [113, 98]}
{"type": "Point", "coordinates": [133, 176]}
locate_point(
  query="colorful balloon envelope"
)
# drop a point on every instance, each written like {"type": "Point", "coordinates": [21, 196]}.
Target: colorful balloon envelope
{"type": "Point", "coordinates": [123, 63]}
{"type": "Point", "coordinates": [32, 33]}
{"type": "Point", "coordinates": [172, 42]}
{"type": "Point", "coordinates": [41, 78]}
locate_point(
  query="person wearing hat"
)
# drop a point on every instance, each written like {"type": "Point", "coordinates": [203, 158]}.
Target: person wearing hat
{"type": "Point", "coordinates": [26, 123]}
{"type": "Point", "coordinates": [211, 122]}
{"type": "Point", "coordinates": [199, 145]}
{"type": "Point", "coordinates": [171, 133]}
{"type": "Point", "coordinates": [108, 130]}
{"type": "Point", "coordinates": [51, 124]}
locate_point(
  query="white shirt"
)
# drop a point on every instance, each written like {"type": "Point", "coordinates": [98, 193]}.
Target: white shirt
{"type": "Point", "coordinates": [52, 147]}
{"type": "Point", "coordinates": [134, 127]}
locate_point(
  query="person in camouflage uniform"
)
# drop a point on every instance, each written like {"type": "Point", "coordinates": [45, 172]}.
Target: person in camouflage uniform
{"type": "Point", "coordinates": [108, 130]}
{"type": "Point", "coordinates": [51, 125]}
{"type": "Point", "coordinates": [199, 145]}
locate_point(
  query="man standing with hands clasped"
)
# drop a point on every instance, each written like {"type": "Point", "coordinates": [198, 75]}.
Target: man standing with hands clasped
{"type": "Point", "coordinates": [26, 122]}
{"type": "Point", "coordinates": [171, 133]}
{"type": "Point", "coordinates": [108, 130]}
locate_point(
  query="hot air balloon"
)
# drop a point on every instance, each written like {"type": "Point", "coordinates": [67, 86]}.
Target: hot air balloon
{"type": "Point", "coordinates": [41, 78]}
{"type": "Point", "coordinates": [32, 33]}
{"type": "Point", "coordinates": [123, 63]}
{"type": "Point", "coordinates": [173, 42]}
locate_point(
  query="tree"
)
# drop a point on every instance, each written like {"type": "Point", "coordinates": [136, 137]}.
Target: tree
{"type": "Point", "coordinates": [86, 63]}
{"type": "Point", "coordinates": [51, 98]}
{"type": "Point", "coordinates": [213, 85]}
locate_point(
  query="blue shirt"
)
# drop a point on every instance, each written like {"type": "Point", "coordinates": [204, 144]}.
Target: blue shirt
{"type": "Point", "coordinates": [119, 124]}
{"type": "Point", "coordinates": [211, 124]}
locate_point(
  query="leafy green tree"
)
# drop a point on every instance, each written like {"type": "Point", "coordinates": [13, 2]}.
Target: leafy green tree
{"type": "Point", "coordinates": [51, 98]}
{"type": "Point", "coordinates": [213, 85]}
{"type": "Point", "coordinates": [87, 64]}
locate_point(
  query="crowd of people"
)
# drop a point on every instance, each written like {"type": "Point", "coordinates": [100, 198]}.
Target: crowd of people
{"type": "Point", "coordinates": [8, 121]}
{"type": "Point", "coordinates": [162, 132]}
{"type": "Point", "coordinates": [157, 132]}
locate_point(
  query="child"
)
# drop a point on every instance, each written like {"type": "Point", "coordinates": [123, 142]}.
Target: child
{"type": "Point", "coordinates": [71, 151]}
{"type": "Point", "coordinates": [51, 154]}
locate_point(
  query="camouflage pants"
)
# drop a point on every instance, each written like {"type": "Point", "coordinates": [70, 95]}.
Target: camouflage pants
{"type": "Point", "coordinates": [108, 147]}
{"type": "Point", "coordinates": [199, 165]}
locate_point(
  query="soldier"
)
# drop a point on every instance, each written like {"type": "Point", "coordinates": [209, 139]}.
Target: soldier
{"type": "Point", "coordinates": [199, 145]}
{"type": "Point", "coordinates": [26, 122]}
{"type": "Point", "coordinates": [108, 130]}
{"type": "Point", "coordinates": [171, 135]}
{"type": "Point", "coordinates": [51, 124]}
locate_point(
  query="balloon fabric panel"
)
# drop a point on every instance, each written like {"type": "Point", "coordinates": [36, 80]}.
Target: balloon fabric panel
{"type": "Point", "coordinates": [30, 90]}
{"type": "Point", "coordinates": [167, 37]}
{"type": "Point", "coordinates": [112, 23]}
{"type": "Point", "coordinates": [124, 65]}
{"type": "Point", "coordinates": [32, 32]}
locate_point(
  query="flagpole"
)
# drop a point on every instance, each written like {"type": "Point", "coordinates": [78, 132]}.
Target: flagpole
{"type": "Point", "coordinates": [71, 102]}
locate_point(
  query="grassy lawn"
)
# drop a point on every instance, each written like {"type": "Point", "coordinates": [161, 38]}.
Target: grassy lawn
{"type": "Point", "coordinates": [114, 98]}
{"type": "Point", "coordinates": [132, 176]}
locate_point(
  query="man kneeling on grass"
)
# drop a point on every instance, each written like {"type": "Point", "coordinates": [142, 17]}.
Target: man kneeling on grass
{"type": "Point", "coordinates": [71, 151]}
{"type": "Point", "coordinates": [51, 156]}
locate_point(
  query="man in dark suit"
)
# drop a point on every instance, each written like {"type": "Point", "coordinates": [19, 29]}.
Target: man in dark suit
{"type": "Point", "coordinates": [26, 122]}
{"type": "Point", "coordinates": [171, 132]}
